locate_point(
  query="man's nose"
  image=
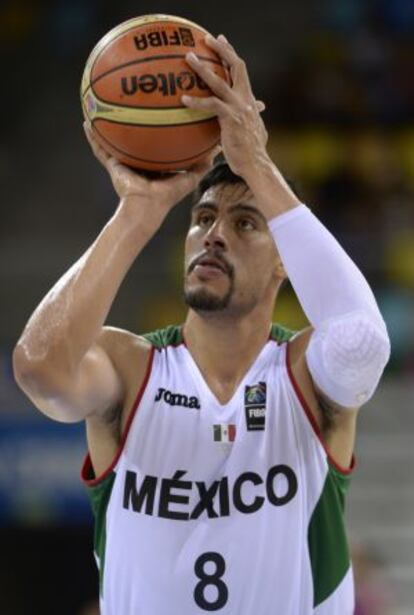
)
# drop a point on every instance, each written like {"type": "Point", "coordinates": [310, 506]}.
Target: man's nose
{"type": "Point", "coordinates": [215, 236]}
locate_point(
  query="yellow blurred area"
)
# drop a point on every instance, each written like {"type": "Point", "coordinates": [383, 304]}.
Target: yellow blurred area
{"type": "Point", "coordinates": [314, 154]}
{"type": "Point", "coordinates": [288, 311]}
{"type": "Point", "coordinates": [399, 262]}
{"type": "Point", "coordinates": [404, 143]}
{"type": "Point", "coordinates": [162, 310]}
{"type": "Point", "coordinates": [311, 155]}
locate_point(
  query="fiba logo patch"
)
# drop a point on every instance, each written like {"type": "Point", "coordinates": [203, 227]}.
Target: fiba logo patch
{"type": "Point", "coordinates": [157, 38]}
{"type": "Point", "coordinates": [255, 406]}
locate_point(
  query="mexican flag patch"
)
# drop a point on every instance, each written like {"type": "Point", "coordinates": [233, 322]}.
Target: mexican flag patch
{"type": "Point", "coordinates": [224, 433]}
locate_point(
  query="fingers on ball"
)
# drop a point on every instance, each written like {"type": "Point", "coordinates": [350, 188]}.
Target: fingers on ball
{"type": "Point", "coordinates": [210, 103]}
{"type": "Point", "coordinates": [217, 84]}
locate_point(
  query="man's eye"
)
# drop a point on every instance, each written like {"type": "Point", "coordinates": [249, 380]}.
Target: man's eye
{"type": "Point", "coordinates": [204, 219]}
{"type": "Point", "coordinates": [245, 224]}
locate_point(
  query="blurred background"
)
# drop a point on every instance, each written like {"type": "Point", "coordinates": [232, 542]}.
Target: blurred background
{"type": "Point", "coordinates": [337, 78]}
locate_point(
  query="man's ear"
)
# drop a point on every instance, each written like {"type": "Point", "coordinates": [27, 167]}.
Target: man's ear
{"type": "Point", "coordinates": [280, 270]}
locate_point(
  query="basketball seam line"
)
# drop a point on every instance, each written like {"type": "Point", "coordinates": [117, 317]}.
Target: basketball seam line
{"type": "Point", "coordinates": [121, 106]}
{"type": "Point", "coordinates": [141, 61]}
{"type": "Point", "coordinates": [179, 125]}
{"type": "Point", "coordinates": [156, 161]}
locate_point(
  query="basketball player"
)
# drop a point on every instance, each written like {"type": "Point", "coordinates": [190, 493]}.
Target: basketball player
{"type": "Point", "coordinates": [219, 451]}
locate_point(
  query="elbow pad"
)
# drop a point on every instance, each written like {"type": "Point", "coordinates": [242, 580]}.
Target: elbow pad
{"type": "Point", "coordinates": [346, 357]}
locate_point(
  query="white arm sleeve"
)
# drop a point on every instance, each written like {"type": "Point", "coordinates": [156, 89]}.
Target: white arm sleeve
{"type": "Point", "coordinates": [349, 347]}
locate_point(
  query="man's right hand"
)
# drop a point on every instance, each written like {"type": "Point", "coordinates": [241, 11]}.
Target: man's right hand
{"type": "Point", "coordinates": [160, 193]}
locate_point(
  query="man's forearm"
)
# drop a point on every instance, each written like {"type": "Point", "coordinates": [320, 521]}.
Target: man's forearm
{"type": "Point", "coordinates": [70, 317]}
{"type": "Point", "coordinates": [271, 191]}
{"type": "Point", "coordinates": [350, 346]}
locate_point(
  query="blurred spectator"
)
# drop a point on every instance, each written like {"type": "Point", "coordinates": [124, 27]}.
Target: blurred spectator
{"type": "Point", "coordinates": [372, 589]}
{"type": "Point", "coordinates": [90, 608]}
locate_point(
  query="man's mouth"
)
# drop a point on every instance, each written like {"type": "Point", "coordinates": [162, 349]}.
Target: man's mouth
{"type": "Point", "coordinates": [209, 264]}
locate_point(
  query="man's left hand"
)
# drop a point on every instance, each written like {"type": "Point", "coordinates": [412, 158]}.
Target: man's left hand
{"type": "Point", "coordinates": [243, 133]}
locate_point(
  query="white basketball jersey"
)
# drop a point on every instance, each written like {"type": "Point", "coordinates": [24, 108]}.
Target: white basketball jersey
{"type": "Point", "coordinates": [235, 509]}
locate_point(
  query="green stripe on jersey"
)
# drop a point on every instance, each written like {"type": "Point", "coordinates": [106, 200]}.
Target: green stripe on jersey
{"type": "Point", "coordinates": [280, 334]}
{"type": "Point", "coordinates": [99, 496]}
{"type": "Point", "coordinates": [173, 335]}
{"type": "Point", "coordinates": [170, 336]}
{"type": "Point", "coordinates": [328, 547]}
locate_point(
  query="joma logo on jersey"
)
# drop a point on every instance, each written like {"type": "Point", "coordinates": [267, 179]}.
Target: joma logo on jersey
{"type": "Point", "coordinates": [175, 38]}
{"type": "Point", "coordinates": [177, 399]}
{"type": "Point", "coordinates": [166, 83]}
{"type": "Point", "coordinates": [255, 406]}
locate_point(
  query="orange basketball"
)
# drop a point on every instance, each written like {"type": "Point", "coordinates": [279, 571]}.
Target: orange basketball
{"type": "Point", "coordinates": [131, 93]}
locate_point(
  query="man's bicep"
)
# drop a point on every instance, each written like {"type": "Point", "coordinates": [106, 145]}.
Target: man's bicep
{"type": "Point", "coordinates": [336, 424]}
{"type": "Point", "coordinates": [99, 387]}
{"type": "Point", "coordinates": [130, 355]}
{"type": "Point", "coordinates": [112, 369]}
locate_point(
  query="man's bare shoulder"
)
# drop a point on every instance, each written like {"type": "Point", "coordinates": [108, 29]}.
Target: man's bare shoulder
{"type": "Point", "coordinates": [113, 339]}
{"type": "Point", "coordinates": [129, 354]}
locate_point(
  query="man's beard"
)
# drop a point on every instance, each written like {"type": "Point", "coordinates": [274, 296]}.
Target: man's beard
{"type": "Point", "coordinates": [204, 301]}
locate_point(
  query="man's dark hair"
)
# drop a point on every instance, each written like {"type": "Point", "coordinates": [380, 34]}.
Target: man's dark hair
{"type": "Point", "coordinates": [221, 173]}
